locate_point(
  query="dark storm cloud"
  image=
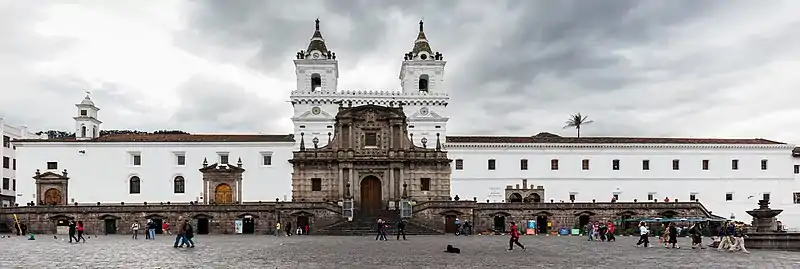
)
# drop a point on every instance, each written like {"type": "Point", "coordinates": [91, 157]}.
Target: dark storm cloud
{"type": "Point", "coordinates": [209, 105]}
{"type": "Point", "coordinates": [646, 68]}
{"type": "Point", "coordinates": [565, 40]}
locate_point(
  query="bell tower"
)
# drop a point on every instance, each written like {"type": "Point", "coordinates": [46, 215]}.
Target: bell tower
{"type": "Point", "coordinates": [316, 67]}
{"type": "Point", "coordinates": [422, 71]}
{"type": "Point", "coordinates": [87, 126]}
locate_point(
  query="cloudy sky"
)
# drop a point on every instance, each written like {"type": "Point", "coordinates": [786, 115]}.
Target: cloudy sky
{"type": "Point", "coordinates": [638, 68]}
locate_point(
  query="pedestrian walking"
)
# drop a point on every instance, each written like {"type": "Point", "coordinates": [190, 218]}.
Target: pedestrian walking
{"type": "Point", "coordinates": [514, 240]}
{"type": "Point", "coordinates": [401, 229]}
{"type": "Point", "coordinates": [135, 229]}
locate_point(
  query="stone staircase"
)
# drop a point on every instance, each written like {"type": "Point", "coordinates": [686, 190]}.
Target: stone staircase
{"type": "Point", "coordinates": [365, 225]}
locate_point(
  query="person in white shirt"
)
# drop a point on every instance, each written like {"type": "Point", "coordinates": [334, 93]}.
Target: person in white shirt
{"type": "Point", "coordinates": [643, 235]}
{"type": "Point", "coordinates": [135, 229]}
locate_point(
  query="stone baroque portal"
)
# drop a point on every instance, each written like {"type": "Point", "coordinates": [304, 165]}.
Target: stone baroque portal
{"type": "Point", "coordinates": [371, 152]}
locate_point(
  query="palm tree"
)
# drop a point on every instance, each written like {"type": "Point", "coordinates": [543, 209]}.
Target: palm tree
{"type": "Point", "coordinates": [577, 120]}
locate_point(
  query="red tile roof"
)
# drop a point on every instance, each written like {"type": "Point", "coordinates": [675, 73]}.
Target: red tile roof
{"type": "Point", "coordinates": [175, 138]}
{"type": "Point", "coordinates": [555, 139]}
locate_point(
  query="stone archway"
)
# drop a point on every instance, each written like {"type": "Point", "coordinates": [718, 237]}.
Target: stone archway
{"type": "Point", "coordinates": [52, 197]}
{"type": "Point", "coordinates": [223, 194]}
{"type": "Point", "coordinates": [515, 198]}
{"type": "Point", "coordinates": [533, 198]}
{"type": "Point", "coordinates": [371, 196]}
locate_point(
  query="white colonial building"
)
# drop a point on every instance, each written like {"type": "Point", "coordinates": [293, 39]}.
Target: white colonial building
{"type": "Point", "coordinates": [728, 176]}
{"type": "Point", "coordinates": [8, 172]}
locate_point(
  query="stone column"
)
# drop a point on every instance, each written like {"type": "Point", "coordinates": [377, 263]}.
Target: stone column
{"type": "Point", "coordinates": [239, 190]}
{"type": "Point", "coordinates": [341, 182]}
{"type": "Point", "coordinates": [390, 171]}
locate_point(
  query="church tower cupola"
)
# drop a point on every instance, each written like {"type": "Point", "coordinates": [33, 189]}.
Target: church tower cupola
{"type": "Point", "coordinates": [423, 70]}
{"type": "Point", "coordinates": [87, 126]}
{"type": "Point", "coordinates": [316, 66]}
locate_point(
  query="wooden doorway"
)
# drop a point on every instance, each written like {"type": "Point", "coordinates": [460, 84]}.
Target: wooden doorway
{"type": "Point", "coordinates": [248, 225]}
{"type": "Point", "coordinates": [110, 226]}
{"type": "Point", "coordinates": [371, 200]}
{"type": "Point", "coordinates": [223, 194]}
{"type": "Point", "coordinates": [202, 226]}
{"type": "Point", "coordinates": [450, 224]}
{"type": "Point", "coordinates": [52, 197]}
{"type": "Point", "coordinates": [499, 224]}
{"type": "Point", "coordinates": [541, 224]}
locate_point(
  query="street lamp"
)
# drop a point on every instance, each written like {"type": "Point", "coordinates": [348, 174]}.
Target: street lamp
{"type": "Point", "coordinates": [315, 141]}
{"type": "Point", "coordinates": [424, 142]}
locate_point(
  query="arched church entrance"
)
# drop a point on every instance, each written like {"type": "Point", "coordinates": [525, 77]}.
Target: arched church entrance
{"type": "Point", "coordinates": [52, 197]}
{"type": "Point", "coordinates": [371, 200]}
{"type": "Point", "coordinates": [223, 194]}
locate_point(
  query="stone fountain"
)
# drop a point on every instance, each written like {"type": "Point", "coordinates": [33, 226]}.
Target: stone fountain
{"type": "Point", "coordinates": [766, 235]}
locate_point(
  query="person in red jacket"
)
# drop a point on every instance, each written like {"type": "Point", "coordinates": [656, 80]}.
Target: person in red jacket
{"type": "Point", "coordinates": [514, 237]}
{"type": "Point", "coordinates": [610, 233]}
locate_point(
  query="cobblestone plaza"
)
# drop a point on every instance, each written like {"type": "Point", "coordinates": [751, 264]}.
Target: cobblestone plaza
{"type": "Point", "coordinates": [365, 252]}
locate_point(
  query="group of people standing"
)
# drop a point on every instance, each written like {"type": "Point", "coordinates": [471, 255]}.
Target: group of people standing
{"type": "Point", "coordinates": [183, 236]}
{"type": "Point", "coordinates": [601, 231]}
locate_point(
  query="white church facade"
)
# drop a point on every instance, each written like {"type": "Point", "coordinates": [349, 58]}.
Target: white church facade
{"type": "Point", "coordinates": [727, 175]}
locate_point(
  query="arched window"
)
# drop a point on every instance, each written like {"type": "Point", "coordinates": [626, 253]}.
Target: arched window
{"type": "Point", "coordinates": [179, 185]}
{"type": "Point", "coordinates": [316, 82]}
{"type": "Point", "coordinates": [94, 131]}
{"type": "Point", "coordinates": [83, 131]}
{"type": "Point", "coordinates": [423, 83]}
{"type": "Point", "coordinates": [135, 185]}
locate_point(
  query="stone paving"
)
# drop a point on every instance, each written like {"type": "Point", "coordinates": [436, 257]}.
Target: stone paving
{"type": "Point", "coordinates": [364, 252]}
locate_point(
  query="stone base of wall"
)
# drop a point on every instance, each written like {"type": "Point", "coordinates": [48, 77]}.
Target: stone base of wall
{"type": "Point", "coordinates": [217, 219]}
{"type": "Point", "coordinates": [439, 215]}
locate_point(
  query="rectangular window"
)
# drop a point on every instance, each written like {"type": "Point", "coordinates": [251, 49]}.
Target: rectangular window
{"type": "Point", "coordinates": [797, 169]}
{"type": "Point", "coordinates": [266, 159]}
{"type": "Point", "coordinates": [371, 139]}
{"type": "Point", "coordinates": [763, 164]}
{"type": "Point", "coordinates": [734, 164]}
{"type": "Point", "coordinates": [6, 183]}
{"type": "Point", "coordinates": [14, 184]}
{"type": "Point", "coordinates": [693, 196]}
{"type": "Point", "coordinates": [616, 196]}
{"type": "Point", "coordinates": [14, 164]}
{"type": "Point", "coordinates": [459, 164]}
{"type": "Point", "coordinates": [765, 196]}
{"type": "Point", "coordinates": [52, 165]}
{"type": "Point", "coordinates": [84, 112]}
{"type": "Point", "coordinates": [6, 162]}
{"type": "Point", "coordinates": [554, 164]}
{"type": "Point", "coordinates": [646, 166]}
{"type": "Point", "coordinates": [572, 196]}
{"type": "Point", "coordinates": [425, 184]}
{"type": "Point", "coordinates": [796, 198]}
{"type": "Point", "coordinates": [523, 164]}
{"type": "Point", "coordinates": [705, 164]}
{"type": "Point", "coordinates": [676, 164]}
{"type": "Point", "coordinates": [223, 158]}
{"type": "Point", "coordinates": [137, 159]}
{"type": "Point", "coordinates": [180, 159]}
{"type": "Point", "coordinates": [585, 164]}
{"type": "Point", "coordinates": [651, 196]}
{"type": "Point", "coordinates": [6, 141]}
{"type": "Point", "coordinates": [316, 184]}
{"type": "Point", "coordinates": [491, 163]}
{"type": "Point", "coordinates": [729, 196]}
{"type": "Point", "coordinates": [615, 165]}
